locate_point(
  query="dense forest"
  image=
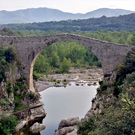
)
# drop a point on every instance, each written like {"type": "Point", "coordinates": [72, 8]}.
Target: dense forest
{"type": "Point", "coordinates": [121, 23]}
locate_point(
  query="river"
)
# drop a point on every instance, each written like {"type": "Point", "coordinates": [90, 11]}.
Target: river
{"type": "Point", "coordinates": [65, 102]}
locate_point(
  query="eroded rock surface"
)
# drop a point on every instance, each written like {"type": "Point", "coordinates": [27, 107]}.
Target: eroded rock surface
{"type": "Point", "coordinates": [68, 126]}
{"type": "Point", "coordinates": [20, 125]}
{"type": "Point", "coordinates": [37, 127]}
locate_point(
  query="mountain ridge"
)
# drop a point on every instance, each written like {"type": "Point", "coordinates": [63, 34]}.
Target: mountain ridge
{"type": "Point", "coordinates": [31, 15]}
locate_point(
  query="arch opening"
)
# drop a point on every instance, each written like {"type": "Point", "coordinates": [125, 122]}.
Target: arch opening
{"type": "Point", "coordinates": [60, 50]}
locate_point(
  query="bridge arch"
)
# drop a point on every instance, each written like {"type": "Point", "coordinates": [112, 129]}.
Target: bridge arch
{"type": "Point", "coordinates": [28, 48]}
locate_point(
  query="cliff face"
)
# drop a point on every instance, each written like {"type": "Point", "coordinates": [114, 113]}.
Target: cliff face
{"type": "Point", "coordinates": [18, 100]}
{"type": "Point", "coordinates": [7, 99]}
{"type": "Point", "coordinates": [103, 100]}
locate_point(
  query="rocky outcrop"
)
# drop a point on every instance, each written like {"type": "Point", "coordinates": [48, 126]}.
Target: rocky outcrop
{"type": "Point", "coordinates": [68, 126]}
{"type": "Point", "coordinates": [7, 99]}
{"type": "Point", "coordinates": [29, 115]}
{"type": "Point", "coordinates": [37, 127]}
{"type": "Point", "coordinates": [20, 125]}
{"type": "Point", "coordinates": [98, 103]}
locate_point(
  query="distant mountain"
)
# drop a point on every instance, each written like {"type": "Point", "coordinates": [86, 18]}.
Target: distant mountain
{"type": "Point", "coordinates": [107, 12]}
{"type": "Point", "coordinates": [46, 14]}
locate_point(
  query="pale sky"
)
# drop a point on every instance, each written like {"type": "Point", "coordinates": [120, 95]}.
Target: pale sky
{"type": "Point", "coordinates": [72, 6]}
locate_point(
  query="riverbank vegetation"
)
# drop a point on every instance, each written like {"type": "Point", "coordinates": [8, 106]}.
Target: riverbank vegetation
{"type": "Point", "coordinates": [118, 117]}
{"type": "Point", "coordinates": [8, 124]}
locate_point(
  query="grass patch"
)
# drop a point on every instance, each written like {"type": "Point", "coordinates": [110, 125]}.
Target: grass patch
{"type": "Point", "coordinates": [19, 108]}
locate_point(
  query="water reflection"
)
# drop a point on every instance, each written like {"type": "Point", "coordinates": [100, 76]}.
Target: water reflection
{"type": "Point", "coordinates": [61, 102]}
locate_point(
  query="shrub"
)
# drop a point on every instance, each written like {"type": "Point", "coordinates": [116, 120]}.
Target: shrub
{"type": "Point", "coordinates": [19, 108]}
{"type": "Point", "coordinates": [64, 80]}
{"type": "Point", "coordinates": [9, 88]}
{"type": "Point", "coordinates": [54, 80]}
{"type": "Point", "coordinates": [86, 126]}
{"type": "Point", "coordinates": [16, 101]}
{"type": "Point", "coordinates": [8, 124]}
{"type": "Point", "coordinates": [103, 86]}
{"type": "Point", "coordinates": [100, 82]}
{"type": "Point", "coordinates": [31, 95]}
{"type": "Point", "coordinates": [97, 105]}
{"type": "Point", "coordinates": [21, 79]}
{"type": "Point", "coordinates": [94, 83]}
{"type": "Point", "coordinates": [35, 76]}
{"type": "Point", "coordinates": [10, 54]}
{"type": "Point", "coordinates": [58, 81]}
{"type": "Point", "coordinates": [117, 91]}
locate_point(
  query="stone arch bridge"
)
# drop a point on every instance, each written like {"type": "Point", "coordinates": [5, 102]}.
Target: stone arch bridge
{"type": "Point", "coordinates": [28, 49]}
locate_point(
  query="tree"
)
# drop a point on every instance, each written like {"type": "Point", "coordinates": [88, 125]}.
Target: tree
{"type": "Point", "coordinates": [47, 68]}
{"type": "Point", "coordinates": [66, 64]}
{"type": "Point", "coordinates": [7, 56]}
{"type": "Point", "coordinates": [10, 54]}
{"type": "Point", "coordinates": [55, 60]}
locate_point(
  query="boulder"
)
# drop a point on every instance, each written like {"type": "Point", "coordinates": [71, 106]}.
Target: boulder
{"type": "Point", "coordinates": [69, 122]}
{"type": "Point", "coordinates": [37, 127]}
{"type": "Point", "coordinates": [72, 130]}
{"type": "Point", "coordinates": [68, 126]}
{"type": "Point", "coordinates": [20, 125]}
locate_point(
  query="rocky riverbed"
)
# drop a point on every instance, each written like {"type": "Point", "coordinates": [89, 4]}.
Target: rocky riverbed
{"type": "Point", "coordinates": [79, 77]}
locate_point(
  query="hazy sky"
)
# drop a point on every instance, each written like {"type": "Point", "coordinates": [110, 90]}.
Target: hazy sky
{"type": "Point", "coordinates": [73, 6]}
